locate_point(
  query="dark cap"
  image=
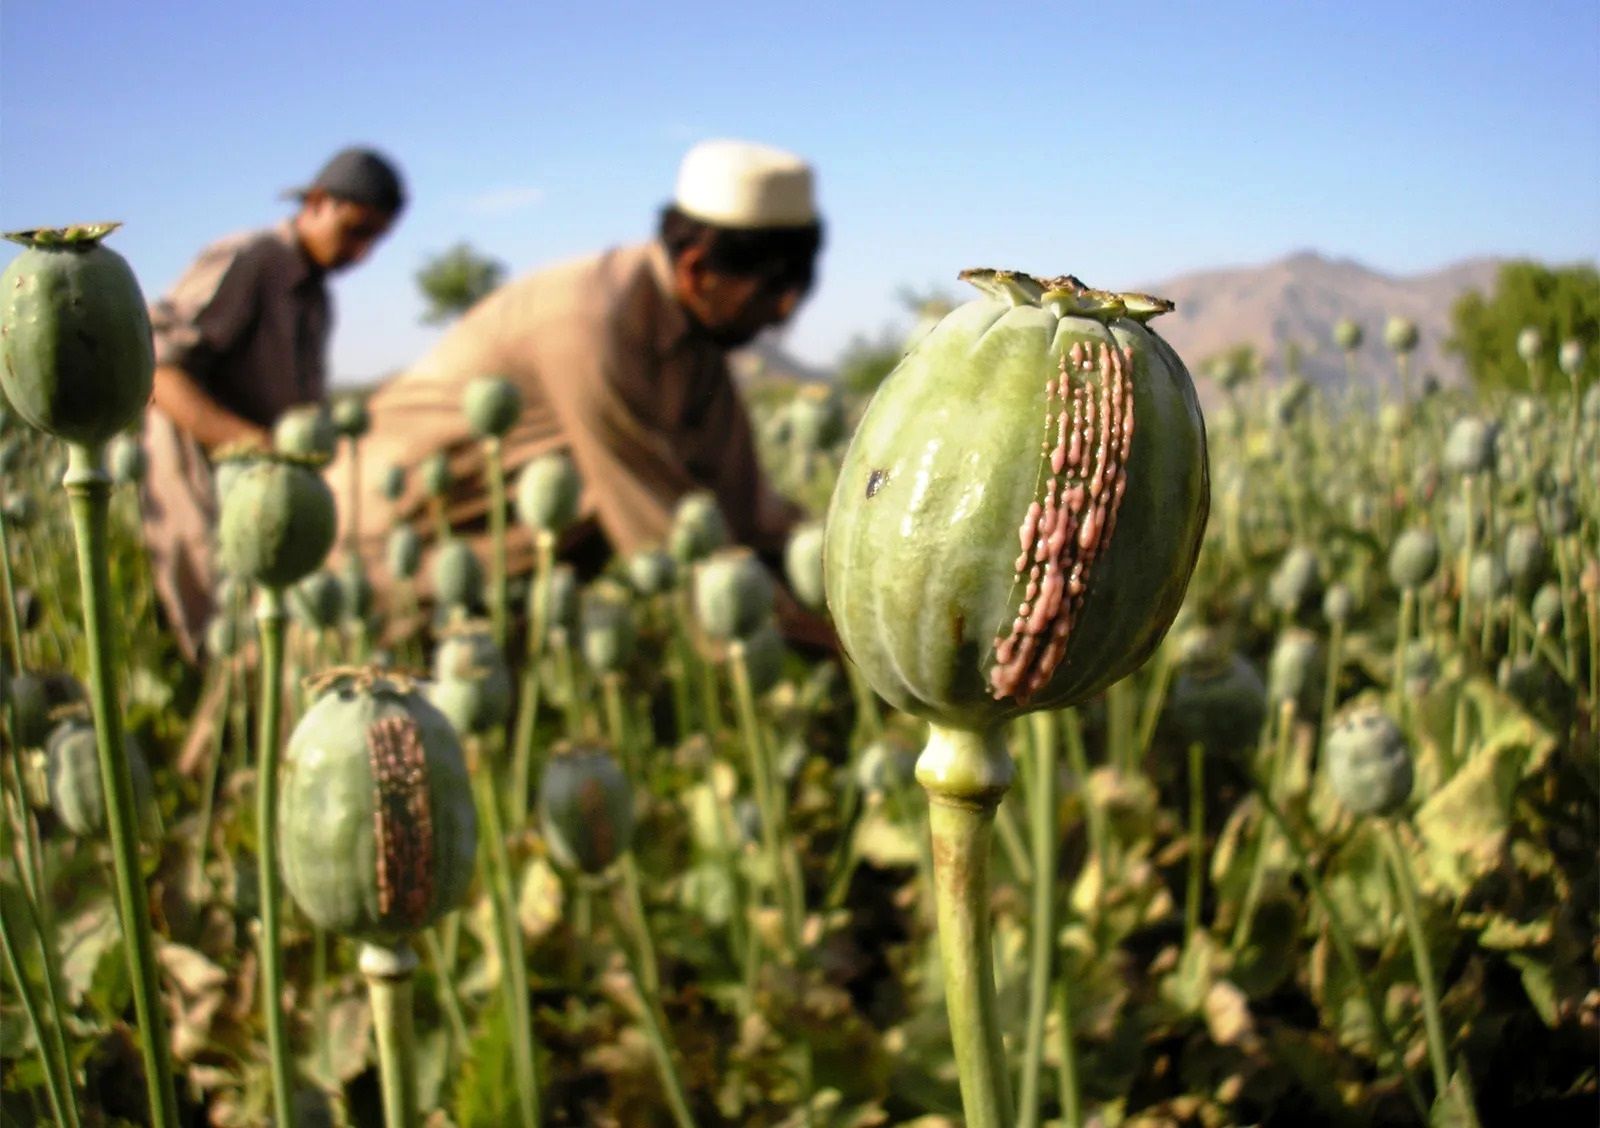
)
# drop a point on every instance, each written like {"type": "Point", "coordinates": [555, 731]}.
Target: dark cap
{"type": "Point", "coordinates": [361, 176]}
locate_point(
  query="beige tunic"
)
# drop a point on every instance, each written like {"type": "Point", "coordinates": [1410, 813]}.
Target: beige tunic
{"type": "Point", "coordinates": [249, 322]}
{"type": "Point", "coordinates": [608, 370]}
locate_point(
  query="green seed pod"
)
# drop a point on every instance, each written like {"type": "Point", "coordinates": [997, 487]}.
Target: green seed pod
{"type": "Point", "coordinates": [1558, 513]}
{"type": "Point", "coordinates": [307, 431]}
{"type": "Point", "coordinates": [1419, 668]}
{"type": "Point", "coordinates": [563, 610]}
{"type": "Point", "coordinates": [355, 590]}
{"type": "Point", "coordinates": [1469, 448]}
{"type": "Point", "coordinates": [30, 708]}
{"type": "Point", "coordinates": [1042, 415]}
{"type": "Point", "coordinates": [1368, 762]}
{"type": "Point", "coordinates": [1338, 604]}
{"type": "Point", "coordinates": [1291, 400]}
{"type": "Point", "coordinates": [436, 475]}
{"type": "Point", "coordinates": [652, 571]}
{"type": "Point", "coordinates": [1347, 334]}
{"type": "Point", "coordinates": [1219, 705]}
{"type": "Point", "coordinates": [802, 564]}
{"type": "Point", "coordinates": [277, 522]}
{"type": "Point", "coordinates": [606, 633]}
{"type": "Point", "coordinates": [376, 820]}
{"type": "Point", "coordinates": [886, 765]}
{"type": "Point", "coordinates": [1459, 518]}
{"type": "Point", "coordinates": [492, 405]}
{"type": "Point", "coordinates": [1526, 558]}
{"type": "Point", "coordinates": [764, 651]}
{"type": "Point", "coordinates": [394, 483]}
{"type": "Point", "coordinates": [1571, 357]}
{"type": "Point", "coordinates": [350, 417]}
{"type": "Point", "coordinates": [20, 510]}
{"type": "Point", "coordinates": [76, 358]}
{"type": "Point", "coordinates": [472, 686]}
{"type": "Point", "coordinates": [1294, 671]}
{"type": "Point", "coordinates": [1487, 578]}
{"type": "Point", "coordinates": [1394, 420]}
{"type": "Point", "coordinates": [318, 601]}
{"type": "Point", "coordinates": [1400, 334]}
{"type": "Point", "coordinates": [1414, 558]}
{"type": "Point", "coordinates": [125, 459]}
{"type": "Point", "coordinates": [547, 492]}
{"type": "Point", "coordinates": [402, 552]}
{"type": "Point", "coordinates": [585, 808]}
{"type": "Point", "coordinates": [1548, 609]}
{"type": "Point", "coordinates": [72, 772]}
{"type": "Point", "coordinates": [1296, 583]}
{"type": "Point", "coordinates": [1530, 343]}
{"type": "Point", "coordinates": [457, 575]}
{"type": "Point", "coordinates": [732, 593]}
{"type": "Point", "coordinates": [815, 417]}
{"type": "Point", "coordinates": [224, 634]}
{"type": "Point", "coordinates": [698, 528]}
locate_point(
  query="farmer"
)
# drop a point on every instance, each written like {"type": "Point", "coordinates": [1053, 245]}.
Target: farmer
{"type": "Point", "coordinates": [621, 359]}
{"type": "Point", "coordinates": [240, 339]}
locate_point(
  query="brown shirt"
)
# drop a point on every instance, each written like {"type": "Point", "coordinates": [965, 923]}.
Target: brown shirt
{"type": "Point", "coordinates": [249, 321]}
{"type": "Point", "coordinates": [609, 370]}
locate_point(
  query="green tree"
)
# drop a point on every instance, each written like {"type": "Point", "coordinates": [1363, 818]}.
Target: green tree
{"type": "Point", "coordinates": [452, 282]}
{"type": "Point", "coordinates": [1563, 303]}
{"type": "Point", "coordinates": [866, 361]}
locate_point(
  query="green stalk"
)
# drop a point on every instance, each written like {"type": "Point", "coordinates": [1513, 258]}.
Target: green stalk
{"type": "Point", "coordinates": [1463, 608]}
{"type": "Point", "coordinates": [444, 975]}
{"type": "Point", "coordinates": [388, 972]}
{"type": "Point", "coordinates": [319, 980]}
{"type": "Point", "coordinates": [528, 701]}
{"type": "Point", "coordinates": [1155, 697]}
{"type": "Point", "coordinates": [965, 775]}
{"type": "Point", "coordinates": [1099, 833]}
{"type": "Point", "coordinates": [208, 796]}
{"type": "Point", "coordinates": [1067, 1068]}
{"type": "Point", "coordinates": [9, 592]}
{"type": "Point", "coordinates": [1330, 688]}
{"type": "Point", "coordinates": [611, 692]}
{"type": "Point", "coordinates": [1119, 728]}
{"type": "Point", "coordinates": [869, 722]}
{"type": "Point", "coordinates": [270, 620]}
{"type": "Point", "coordinates": [790, 900]}
{"type": "Point", "coordinates": [1258, 862]}
{"type": "Point", "coordinates": [1406, 886]}
{"type": "Point", "coordinates": [1402, 635]}
{"type": "Point", "coordinates": [497, 537]}
{"type": "Point", "coordinates": [641, 961]}
{"type": "Point", "coordinates": [1197, 842]}
{"type": "Point", "coordinates": [89, 489]}
{"type": "Point", "coordinates": [1042, 824]}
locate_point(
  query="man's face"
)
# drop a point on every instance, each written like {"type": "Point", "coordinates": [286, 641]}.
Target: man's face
{"type": "Point", "coordinates": [338, 234]}
{"type": "Point", "coordinates": [731, 309]}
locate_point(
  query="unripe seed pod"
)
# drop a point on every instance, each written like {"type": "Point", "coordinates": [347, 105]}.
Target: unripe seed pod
{"type": "Point", "coordinates": [651, 571]}
{"type": "Point", "coordinates": [1571, 357]}
{"type": "Point", "coordinates": [1459, 518]}
{"type": "Point", "coordinates": [492, 405]}
{"type": "Point", "coordinates": [30, 709]}
{"type": "Point", "coordinates": [802, 563]}
{"type": "Point", "coordinates": [355, 590]}
{"type": "Point", "coordinates": [1347, 334]}
{"type": "Point", "coordinates": [585, 808]}
{"type": "Point", "coordinates": [547, 492]}
{"type": "Point", "coordinates": [1400, 334]}
{"type": "Point", "coordinates": [1526, 558]}
{"type": "Point", "coordinates": [1367, 761]}
{"type": "Point", "coordinates": [1294, 671]}
{"type": "Point", "coordinates": [402, 552]}
{"type": "Point", "coordinates": [886, 765]}
{"type": "Point", "coordinates": [563, 610]}
{"type": "Point", "coordinates": [1420, 668]}
{"type": "Point", "coordinates": [20, 511]}
{"type": "Point", "coordinates": [457, 575]}
{"type": "Point", "coordinates": [1046, 416]}
{"type": "Point", "coordinates": [126, 461]}
{"type": "Point", "coordinates": [1296, 583]}
{"type": "Point", "coordinates": [698, 528]}
{"type": "Point", "coordinates": [307, 431]}
{"type": "Point", "coordinates": [472, 686]}
{"type": "Point", "coordinates": [1548, 609]}
{"type": "Point", "coordinates": [816, 418]}
{"type": "Point", "coordinates": [76, 358]}
{"type": "Point", "coordinates": [277, 522]}
{"type": "Point", "coordinates": [1469, 448]}
{"type": "Point", "coordinates": [350, 417]}
{"type": "Point", "coordinates": [1291, 400]}
{"type": "Point", "coordinates": [1414, 558]}
{"type": "Point", "coordinates": [394, 483]}
{"type": "Point", "coordinates": [224, 634]}
{"type": "Point", "coordinates": [376, 819]}
{"type": "Point", "coordinates": [764, 651]}
{"type": "Point", "coordinates": [1487, 578]}
{"type": "Point", "coordinates": [1393, 420]}
{"type": "Point", "coordinates": [318, 601]}
{"type": "Point", "coordinates": [436, 475]}
{"type": "Point", "coordinates": [1558, 512]}
{"type": "Point", "coordinates": [1530, 342]}
{"type": "Point", "coordinates": [607, 633]}
{"type": "Point", "coordinates": [72, 771]}
{"type": "Point", "coordinates": [1338, 604]}
{"type": "Point", "coordinates": [1219, 705]}
{"type": "Point", "coordinates": [732, 593]}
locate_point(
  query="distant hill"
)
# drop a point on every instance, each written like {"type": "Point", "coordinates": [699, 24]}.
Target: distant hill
{"type": "Point", "coordinates": [1298, 298]}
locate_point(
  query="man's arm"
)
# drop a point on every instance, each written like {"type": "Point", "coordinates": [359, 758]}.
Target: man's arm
{"type": "Point", "coordinates": [188, 405]}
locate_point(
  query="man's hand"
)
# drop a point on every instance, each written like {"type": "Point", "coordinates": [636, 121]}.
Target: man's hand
{"type": "Point", "coordinates": [195, 412]}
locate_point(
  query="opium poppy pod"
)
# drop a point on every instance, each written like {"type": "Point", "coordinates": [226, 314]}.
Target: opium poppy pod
{"type": "Point", "coordinates": [1020, 510]}
{"type": "Point", "coordinates": [277, 521]}
{"type": "Point", "coordinates": [76, 358]}
{"type": "Point", "coordinates": [376, 818]}
{"type": "Point", "coordinates": [585, 808]}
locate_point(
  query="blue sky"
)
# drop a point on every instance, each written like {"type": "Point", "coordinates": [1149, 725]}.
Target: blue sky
{"type": "Point", "coordinates": [1120, 143]}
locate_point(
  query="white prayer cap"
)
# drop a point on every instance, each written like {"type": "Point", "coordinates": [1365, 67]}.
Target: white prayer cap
{"type": "Point", "coordinates": [740, 184]}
